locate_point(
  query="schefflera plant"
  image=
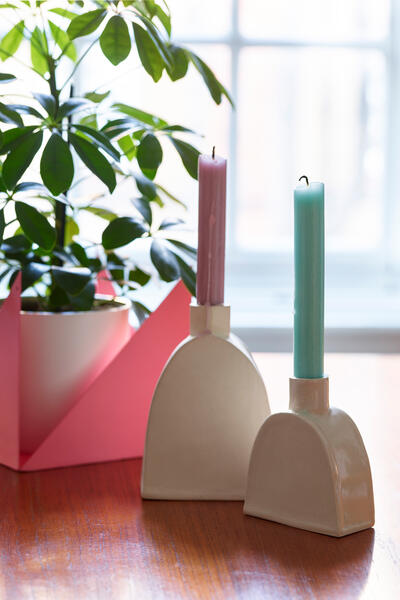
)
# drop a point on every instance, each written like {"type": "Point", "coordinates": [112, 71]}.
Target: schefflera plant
{"type": "Point", "coordinates": [117, 143]}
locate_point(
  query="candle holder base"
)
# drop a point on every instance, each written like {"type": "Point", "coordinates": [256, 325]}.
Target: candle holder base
{"type": "Point", "coordinates": [208, 405]}
{"type": "Point", "coordinates": [309, 468]}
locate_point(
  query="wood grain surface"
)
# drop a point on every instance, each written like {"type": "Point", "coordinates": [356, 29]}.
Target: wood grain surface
{"type": "Point", "coordinates": [84, 533]}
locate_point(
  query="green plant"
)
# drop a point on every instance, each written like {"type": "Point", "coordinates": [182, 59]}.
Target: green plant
{"type": "Point", "coordinates": [116, 143]}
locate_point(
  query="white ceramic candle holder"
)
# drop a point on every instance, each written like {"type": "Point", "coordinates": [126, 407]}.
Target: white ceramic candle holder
{"type": "Point", "coordinates": [309, 467]}
{"type": "Point", "coordinates": [208, 405]}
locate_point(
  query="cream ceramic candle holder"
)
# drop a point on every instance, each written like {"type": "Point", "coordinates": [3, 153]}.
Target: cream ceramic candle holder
{"type": "Point", "coordinates": [208, 405]}
{"type": "Point", "coordinates": [309, 467]}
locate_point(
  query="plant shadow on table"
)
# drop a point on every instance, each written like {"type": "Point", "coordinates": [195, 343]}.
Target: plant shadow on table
{"type": "Point", "coordinates": [259, 556]}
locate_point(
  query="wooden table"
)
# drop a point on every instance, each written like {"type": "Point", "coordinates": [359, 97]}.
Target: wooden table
{"type": "Point", "coordinates": [81, 533]}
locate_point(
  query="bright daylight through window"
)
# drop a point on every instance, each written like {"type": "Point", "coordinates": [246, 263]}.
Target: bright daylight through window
{"type": "Point", "coordinates": [316, 87]}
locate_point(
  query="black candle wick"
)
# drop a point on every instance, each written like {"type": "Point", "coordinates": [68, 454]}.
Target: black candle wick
{"type": "Point", "coordinates": [213, 152]}
{"type": "Point", "coordinates": [304, 177]}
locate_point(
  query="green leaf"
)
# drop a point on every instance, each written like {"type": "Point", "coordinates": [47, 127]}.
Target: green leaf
{"type": "Point", "coordinates": [115, 41]}
{"type": "Point", "coordinates": [7, 77]}
{"type": "Point", "coordinates": [18, 244]}
{"type": "Point", "coordinates": [114, 262]}
{"type": "Point", "coordinates": [84, 299]}
{"type": "Point", "coordinates": [71, 281]}
{"type": "Point", "coordinates": [13, 137]}
{"type": "Point", "coordinates": [103, 213]}
{"type": "Point", "coordinates": [58, 298]}
{"type": "Point", "coordinates": [142, 204]}
{"type": "Point", "coordinates": [71, 230]}
{"type": "Point", "coordinates": [27, 186]}
{"type": "Point", "coordinates": [187, 274]}
{"type": "Point", "coordinates": [149, 153]}
{"type": "Point", "coordinates": [171, 196]}
{"type": "Point", "coordinates": [164, 261]}
{"type": "Point", "coordinates": [86, 23]}
{"type": "Point", "coordinates": [215, 88]}
{"type": "Point", "coordinates": [63, 41]}
{"type": "Point", "coordinates": [157, 40]}
{"type": "Point", "coordinates": [63, 13]}
{"type": "Point", "coordinates": [180, 63]}
{"type": "Point", "coordinates": [94, 160]}
{"type": "Point", "coordinates": [127, 146]}
{"type": "Point", "coordinates": [56, 165]}
{"type": "Point", "coordinates": [115, 128]}
{"type": "Point", "coordinates": [122, 231]}
{"type": "Point", "coordinates": [26, 109]}
{"type": "Point", "coordinates": [2, 225]}
{"type": "Point", "coordinates": [164, 18]}
{"type": "Point", "coordinates": [79, 253]}
{"type": "Point", "coordinates": [20, 158]}
{"type": "Point", "coordinates": [89, 120]}
{"type": "Point", "coordinates": [39, 52]}
{"type": "Point", "coordinates": [35, 226]}
{"type": "Point", "coordinates": [7, 115]}
{"type": "Point", "coordinates": [189, 156]}
{"type": "Point", "coordinates": [140, 115]}
{"type": "Point", "coordinates": [146, 186]}
{"type": "Point", "coordinates": [31, 273]}
{"type": "Point", "coordinates": [48, 103]}
{"type": "Point", "coordinates": [101, 140]}
{"type": "Point", "coordinates": [168, 223]}
{"type": "Point", "coordinates": [96, 97]}
{"type": "Point", "coordinates": [69, 107]}
{"type": "Point", "coordinates": [190, 250]}
{"type": "Point", "coordinates": [139, 276]}
{"type": "Point", "coordinates": [149, 53]}
{"type": "Point", "coordinates": [11, 41]}
{"type": "Point", "coordinates": [118, 274]}
{"type": "Point", "coordinates": [172, 128]}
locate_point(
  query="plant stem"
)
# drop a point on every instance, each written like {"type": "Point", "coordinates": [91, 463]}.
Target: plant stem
{"type": "Point", "coordinates": [60, 207]}
{"type": "Point", "coordinates": [78, 63]}
{"type": "Point", "coordinates": [52, 81]}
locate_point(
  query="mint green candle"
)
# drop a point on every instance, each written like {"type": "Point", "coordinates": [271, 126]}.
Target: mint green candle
{"type": "Point", "coordinates": [309, 253]}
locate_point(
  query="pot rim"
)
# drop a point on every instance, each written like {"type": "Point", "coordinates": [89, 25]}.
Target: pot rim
{"type": "Point", "coordinates": [125, 304]}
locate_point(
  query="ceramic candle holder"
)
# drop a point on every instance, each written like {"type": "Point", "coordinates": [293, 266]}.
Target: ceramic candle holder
{"type": "Point", "coordinates": [208, 405]}
{"type": "Point", "coordinates": [309, 467]}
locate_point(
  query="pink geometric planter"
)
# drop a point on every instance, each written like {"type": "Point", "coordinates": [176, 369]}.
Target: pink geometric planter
{"type": "Point", "coordinates": [108, 421]}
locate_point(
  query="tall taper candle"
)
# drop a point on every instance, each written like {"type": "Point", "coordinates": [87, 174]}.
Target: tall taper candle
{"type": "Point", "coordinates": [211, 245]}
{"type": "Point", "coordinates": [309, 252]}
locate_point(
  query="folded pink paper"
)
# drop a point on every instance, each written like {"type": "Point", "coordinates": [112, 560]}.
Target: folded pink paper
{"type": "Point", "coordinates": [108, 421]}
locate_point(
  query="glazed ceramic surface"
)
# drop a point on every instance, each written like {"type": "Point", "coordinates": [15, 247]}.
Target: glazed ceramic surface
{"type": "Point", "coordinates": [207, 408]}
{"type": "Point", "coordinates": [309, 467]}
{"type": "Point", "coordinates": [61, 354]}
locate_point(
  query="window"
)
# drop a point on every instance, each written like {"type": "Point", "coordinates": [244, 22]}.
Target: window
{"type": "Point", "coordinates": [316, 90]}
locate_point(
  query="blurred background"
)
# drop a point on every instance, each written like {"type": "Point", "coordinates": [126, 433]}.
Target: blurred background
{"type": "Point", "coordinates": [316, 87]}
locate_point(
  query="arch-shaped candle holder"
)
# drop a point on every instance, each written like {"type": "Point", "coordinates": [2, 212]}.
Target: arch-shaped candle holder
{"type": "Point", "coordinates": [309, 467]}
{"type": "Point", "coordinates": [207, 408]}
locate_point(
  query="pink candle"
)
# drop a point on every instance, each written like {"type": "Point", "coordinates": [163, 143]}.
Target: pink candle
{"type": "Point", "coordinates": [211, 246]}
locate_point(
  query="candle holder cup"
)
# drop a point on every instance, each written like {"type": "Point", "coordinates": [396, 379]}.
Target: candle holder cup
{"type": "Point", "coordinates": [309, 467]}
{"type": "Point", "coordinates": [208, 405]}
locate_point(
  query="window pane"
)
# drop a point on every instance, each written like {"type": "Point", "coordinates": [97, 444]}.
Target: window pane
{"type": "Point", "coordinates": [313, 19]}
{"type": "Point", "coordinates": [200, 18]}
{"type": "Point", "coordinates": [315, 112]}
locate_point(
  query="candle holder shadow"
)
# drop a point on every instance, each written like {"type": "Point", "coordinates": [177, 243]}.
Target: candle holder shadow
{"type": "Point", "coordinates": [208, 405]}
{"type": "Point", "coordinates": [309, 467]}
